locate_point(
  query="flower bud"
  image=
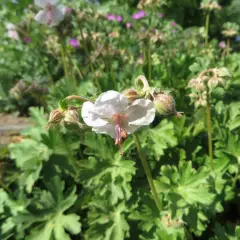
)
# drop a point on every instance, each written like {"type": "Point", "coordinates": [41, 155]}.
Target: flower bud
{"type": "Point", "coordinates": [55, 117]}
{"type": "Point", "coordinates": [164, 104]}
{"type": "Point", "coordinates": [71, 118]}
{"type": "Point", "coordinates": [131, 95]}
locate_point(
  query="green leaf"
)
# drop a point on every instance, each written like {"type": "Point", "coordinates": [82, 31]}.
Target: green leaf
{"type": "Point", "coordinates": [110, 179]}
{"type": "Point", "coordinates": [29, 156]}
{"type": "Point", "coordinates": [160, 138]}
{"type": "Point", "coordinates": [186, 189]}
{"type": "Point", "coordinates": [107, 222]}
{"type": "Point", "coordinates": [63, 104]}
{"type": "Point", "coordinates": [234, 116]}
{"type": "Point", "coordinates": [39, 119]}
{"type": "Point", "coordinates": [47, 214]}
{"type": "Point", "coordinates": [226, 232]}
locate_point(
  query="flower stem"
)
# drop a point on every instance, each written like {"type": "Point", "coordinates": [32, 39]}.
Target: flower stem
{"type": "Point", "coordinates": [84, 99]}
{"type": "Point", "coordinates": [228, 46]}
{"type": "Point", "coordinates": [147, 172]}
{"type": "Point", "coordinates": [209, 130]}
{"type": "Point", "coordinates": [207, 27]}
{"type": "Point", "coordinates": [149, 61]}
{"type": "Point", "coordinates": [65, 68]}
{"type": "Point", "coordinates": [85, 48]}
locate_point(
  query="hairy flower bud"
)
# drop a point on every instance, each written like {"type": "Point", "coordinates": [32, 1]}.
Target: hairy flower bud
{"type": "Point", "coordinates": [131, 94]}
{"type": "Point", "coordinates": [55, 117]}
{"type": "Point", "coordinates": [165, 104]}
{"type": "Point", "coordinates": [71, 118]}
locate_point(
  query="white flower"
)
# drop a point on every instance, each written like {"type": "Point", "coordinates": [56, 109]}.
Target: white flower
{"type": "Point", "coordinates": [12, 32]}
{"type": "Point", "coordinates": [111, 114]}
{"type": "Point", "coordinates": [52, 13]}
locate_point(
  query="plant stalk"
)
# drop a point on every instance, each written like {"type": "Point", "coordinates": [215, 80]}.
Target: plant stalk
{"type": "Point", "coordinates": [85, 48]}
{"type": "Point", "coordinates": [228, 46]}
{"type": "Point", "coordinates": [209, 130]}
{"type": "Point", "coordinates": [84, 99]}
{"type": "Point", "coordinates": [65, 68]}
{"type": "Point", "coordinates": [147, 172]}
{"type": "Point", "coordinates": [149, 61]}
{"type": "Point", "coordinates": [207, 27]}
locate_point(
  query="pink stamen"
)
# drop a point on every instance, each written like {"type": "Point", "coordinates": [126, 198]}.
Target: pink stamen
{"type": "Point", "coordinates": [50, 11]}
{"type": "Point", "coordinates": [120, 133]}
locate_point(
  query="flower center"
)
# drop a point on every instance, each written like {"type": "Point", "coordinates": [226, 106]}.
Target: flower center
{"type": "Point", "coordinates": [120, 132]}
{"type": "Point", "coordinates": [50, 12]}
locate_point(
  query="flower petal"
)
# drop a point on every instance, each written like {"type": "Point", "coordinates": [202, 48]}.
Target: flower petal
{"type": "Point", "coordinates": [41, 17]}
{"type": "Point", "coordinates": [110, 103]}
{"type": "Point", "coordinates": [57, 16]}
{"type": "Point", "coordinates": [41, 3]}
{"type": "Point", "coordinates": [108, 129]}
{"type": "Point", "coordinates": [141, 112]}
{"type": "Point", "coordinates": [53, 2]}
{"type": "Point", "coordinates": [91, 117]}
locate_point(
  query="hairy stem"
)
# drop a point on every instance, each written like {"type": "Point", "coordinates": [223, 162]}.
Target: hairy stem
{"type": "Point", "coordinates": [207, 27]}
{"type": "Point", "coordinates": [147, 172]}
{"type": "Point", "coordinates": [209, 130]}
{"type": "Point", "coordinates": [84, 99]}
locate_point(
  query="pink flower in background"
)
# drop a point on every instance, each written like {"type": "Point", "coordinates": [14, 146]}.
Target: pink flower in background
{"type": "Point", "coordinates": [27, 40]}
{"type": "Point", "coordinates": [73, 42]}
{"type": "Point", "coordinates": [52, 13]}
{"type": "Point", "coordinates": [119, 18]}
{"type": "Point", "coordinates": [140, 14]}
{"type": "Point", "coordinates": [161, 15]}
{"type": "Point", "coordinates": [174, 24]}
{"type": "Point", "coordinates": [128, 25]}
{"type": "Point", "coordinates": [111, 17]}
{"type": "Point", "coordinates": [12, 32]}
{"type": "Point", "coordinates": [222, 44]}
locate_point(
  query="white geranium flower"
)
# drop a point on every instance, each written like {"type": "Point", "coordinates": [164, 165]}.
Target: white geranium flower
{"type": "Point", "coordinates": [12, 32]}
{"type": "Point", "coordinates": [111, 114]}
{"type": "Point", "coordinates": [52, 13]}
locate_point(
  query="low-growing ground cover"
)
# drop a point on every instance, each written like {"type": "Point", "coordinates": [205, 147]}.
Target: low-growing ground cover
{"type": "Point", "coordinates": [133, 120]}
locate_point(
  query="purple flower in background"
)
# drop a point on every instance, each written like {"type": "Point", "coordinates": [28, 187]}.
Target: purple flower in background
{"type": "Point", "coordinates": [140, 14]}
{"type": "Point", "coordinates": [111, 17]}
{"type": "Point", "coordinates": [73, 42]}
{"type": "Point", "coordinates": [27, 40]}
{"type": "Point", "coordinates": [119, 18]}
{"type": "Point", "coordinates": [128, 25]}
{"type": "Point", "coordinates": [161, 15]}
{"type": "Point", "coordinates": [174, 24]}
{"type": "Point", "coordinates": [222, 44]}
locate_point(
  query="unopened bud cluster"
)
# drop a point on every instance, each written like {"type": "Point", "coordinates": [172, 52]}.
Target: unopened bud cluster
{"type": "Point", "coordinates": [68, 117]}
{"type": "Point", "coordinates": [210, 5]}
{"type": "Point", "coordinates": [230, 29]}
{"type": "Point", "coordinates": [164, 103]}
{"type": "Point", "coordinates": [53, 45]}
{"type": "Point", "coordinates": [148, 3]}
{"type": "Point", "coordinates": [206, 81]}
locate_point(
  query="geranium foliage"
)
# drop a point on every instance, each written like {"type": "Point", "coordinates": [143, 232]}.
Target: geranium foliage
{"type": "Point", "coordinates": [134, 120]}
